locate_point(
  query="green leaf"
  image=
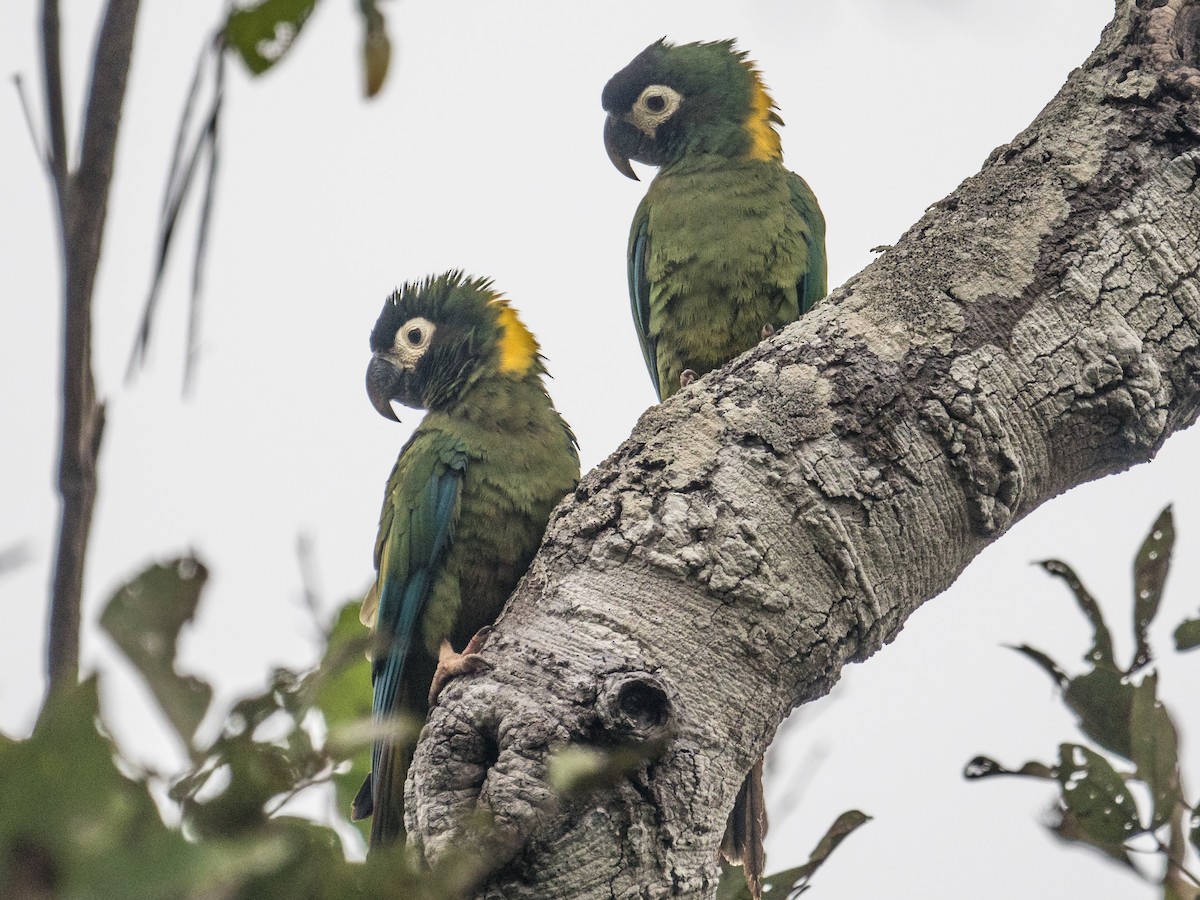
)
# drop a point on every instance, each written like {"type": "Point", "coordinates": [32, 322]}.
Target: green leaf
{"type": "Point", "coordinates": [1155, 750]}
{"type": "Point", "coordinates": [341, 684]}
{"type": "Point", "coordinates": [986, 767]}
{"type": "Point", "coordinates": [144, 618]}
{"type": "Point", "coordinates": [577, 770]}
{"type": "Point", "coordinates": [1102, 701]}
{"type": "Point", "coordinates": [342, 692]}
{"type": "Point", "coordinates": [1187, 635]}
{"type": "Point", "coordinates": [1045, 663]}
{"type": "Point", "coordinates": [262, 34]}
{"type": "Point", "coordinates": [794, 881]}
{"type": "Point", "coordinates": [842, 827]}
{"type": "Point", "coordinates": [1069, 829]}
{"type": "Point", "coordinates": [1101, 652]}
{"type": "Point", "coordinates": [1150, 568]}
{"type": "Point", "coordinates": [1097, 807]}
{"type": "Point", "coordinates": [73, 826]}
{"type": "Point", "coordinates": [377, 48]}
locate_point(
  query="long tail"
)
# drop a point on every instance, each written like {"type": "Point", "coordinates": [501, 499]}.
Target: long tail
{"type": "Point", "coordinates": [746, 830]}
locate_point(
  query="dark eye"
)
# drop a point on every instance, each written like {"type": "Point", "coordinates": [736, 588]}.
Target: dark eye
{"type": "Point", "coordinates": [414, 336]}
{"type": "Point", "coordinates": [656, 103]}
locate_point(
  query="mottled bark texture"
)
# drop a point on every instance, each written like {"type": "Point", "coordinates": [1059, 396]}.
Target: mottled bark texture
{"type": "Point", "coordinates": [1035, 330]}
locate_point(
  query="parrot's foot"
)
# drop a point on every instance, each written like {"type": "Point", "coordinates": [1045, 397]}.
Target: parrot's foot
{"type": "Point", "coordinates": [451, 664]}
{"type": "Point", "coordinates": [768, 331]}
{"type": "Point", "coordinates": [686, 377]}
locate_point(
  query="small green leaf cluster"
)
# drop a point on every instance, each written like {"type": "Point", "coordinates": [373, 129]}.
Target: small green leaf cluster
{"type": "Point", "coordinates": [79, 821]}
{"type": "Point", "coordinates": [1136, 743]}
{"type": "Point", "coordinates": [261, 34]}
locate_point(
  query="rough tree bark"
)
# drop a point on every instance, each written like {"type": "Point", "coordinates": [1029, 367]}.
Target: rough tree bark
{"type": "Point", "coordinates": [1035, 330]}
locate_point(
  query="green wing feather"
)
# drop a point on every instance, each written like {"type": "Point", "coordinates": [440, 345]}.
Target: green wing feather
{"type": "Point", "coordinates": [814, 285]}
{"type": "Point", "coordinates": [639, 291]}
{"type": "Point", "coordinates": [415, 532]}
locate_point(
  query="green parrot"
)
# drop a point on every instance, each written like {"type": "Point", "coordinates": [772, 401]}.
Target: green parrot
{"type": "Point", "coordinates": [466, 503]}
{"type": "Point", "coordinates": [727, 245]}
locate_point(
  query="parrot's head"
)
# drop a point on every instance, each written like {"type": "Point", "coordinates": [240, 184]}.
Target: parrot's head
{"type": "Point", "coordinates": [438, 337]}
{"type": "Point", "coordinates": [673, 100]}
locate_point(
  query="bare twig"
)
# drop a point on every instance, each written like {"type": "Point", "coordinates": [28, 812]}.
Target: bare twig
{"type": "Point", "coordinates": [56, 156]}
{"type": "Point", "coordinates": [210, 183]}
{"type": "Point", "coordinates": [38, 144]}
{"type": "Point", "coordinates": [184, 169]}
{"type": "Point", "coordinates": [83, 205]}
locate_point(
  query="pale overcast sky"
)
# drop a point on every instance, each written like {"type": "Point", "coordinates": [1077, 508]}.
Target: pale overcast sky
{"type": "Point", "coordinates": [484, 152]}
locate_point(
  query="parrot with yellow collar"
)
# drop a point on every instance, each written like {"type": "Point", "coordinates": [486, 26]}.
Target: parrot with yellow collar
{"type": "Point", "coordinates": [466, 504]}
{"type": "Point", "coordinates": [726, 247]}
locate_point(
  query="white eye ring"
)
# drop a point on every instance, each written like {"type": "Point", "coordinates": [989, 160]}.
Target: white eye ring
{"type": "Point", "coordinates": [415, 334]}
{"type": "Point", "coordinates": [412, 340]}
{"type": "Point", "coordinates": [655, 104]}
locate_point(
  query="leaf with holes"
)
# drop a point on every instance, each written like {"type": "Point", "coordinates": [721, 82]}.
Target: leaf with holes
{"type": "Point", "coordinates": [1101, 651]}
{"type": "Point", "coordinates": [1150, 568]}
{"type": "Point", "coordinates": [986, 767]}
{"type": "Point", "coordinates": [262, 34]}
{"type": "Point", "coordinates": [144, 618]}
{"type": "Point", "coordinates": [1045, 663]}
{"type": "Point", "coordinates": [1155, 750]}
{"type": "Point", "coordinates": [1102, 701]}
{"type": "Point", "coordinates": [1097, 806]}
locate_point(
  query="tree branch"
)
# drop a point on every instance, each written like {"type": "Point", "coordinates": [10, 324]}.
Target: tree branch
{"type": "Point", "coordinates": [83, 206]}
{"type": "Point", "coordinates": [56, 152]}
{"type": "Point", "coordinates": [1036, 329]}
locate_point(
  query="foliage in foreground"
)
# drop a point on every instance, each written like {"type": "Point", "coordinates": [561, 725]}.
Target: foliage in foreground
{"type": "Point", "coordinates": [1122, 794]}
{"type": "Point", "coordinates": [79, 821]}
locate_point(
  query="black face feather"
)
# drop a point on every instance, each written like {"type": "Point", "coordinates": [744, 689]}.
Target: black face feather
{"type": "Point", "coordinates": [700, 106]}
{"type": "Point", "coordinates": [625, 87]}
{"type": "Point", "coordinates": [463, 343]}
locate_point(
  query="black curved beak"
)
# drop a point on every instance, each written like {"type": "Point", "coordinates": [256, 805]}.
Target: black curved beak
{"type": "Point", "coordinates": [383, 382]}
{"type": "Point", "coordinates": [620, 142]}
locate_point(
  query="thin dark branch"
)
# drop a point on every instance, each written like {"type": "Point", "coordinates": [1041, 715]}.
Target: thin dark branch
{"type": "Point", "coordinates": [185, 118]}
{"type": "Point", "coordinates": [106, 94]}
{"type": "Point", "coordinates": [210, 184]}
{"type": "Point", "coordinates": [173, 204]}
{"type": "Point", "coordinates": [56, 156]}
{"type": "Point", "coordinates": [83, 205]}
{"type": "Point", "coordinates": [38, 144]}
{"type": "Point", "coordinates": [180, 178]}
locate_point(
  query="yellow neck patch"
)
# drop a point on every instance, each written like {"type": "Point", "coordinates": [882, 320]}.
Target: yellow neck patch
{"type": "Point", "coordinates": [760, 123]}
{"type": "Point", "coordinates": [518, 346]}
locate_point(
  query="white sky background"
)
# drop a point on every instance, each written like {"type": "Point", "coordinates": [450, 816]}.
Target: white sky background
{"type": "Point", "coordinates": [484, 152]}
